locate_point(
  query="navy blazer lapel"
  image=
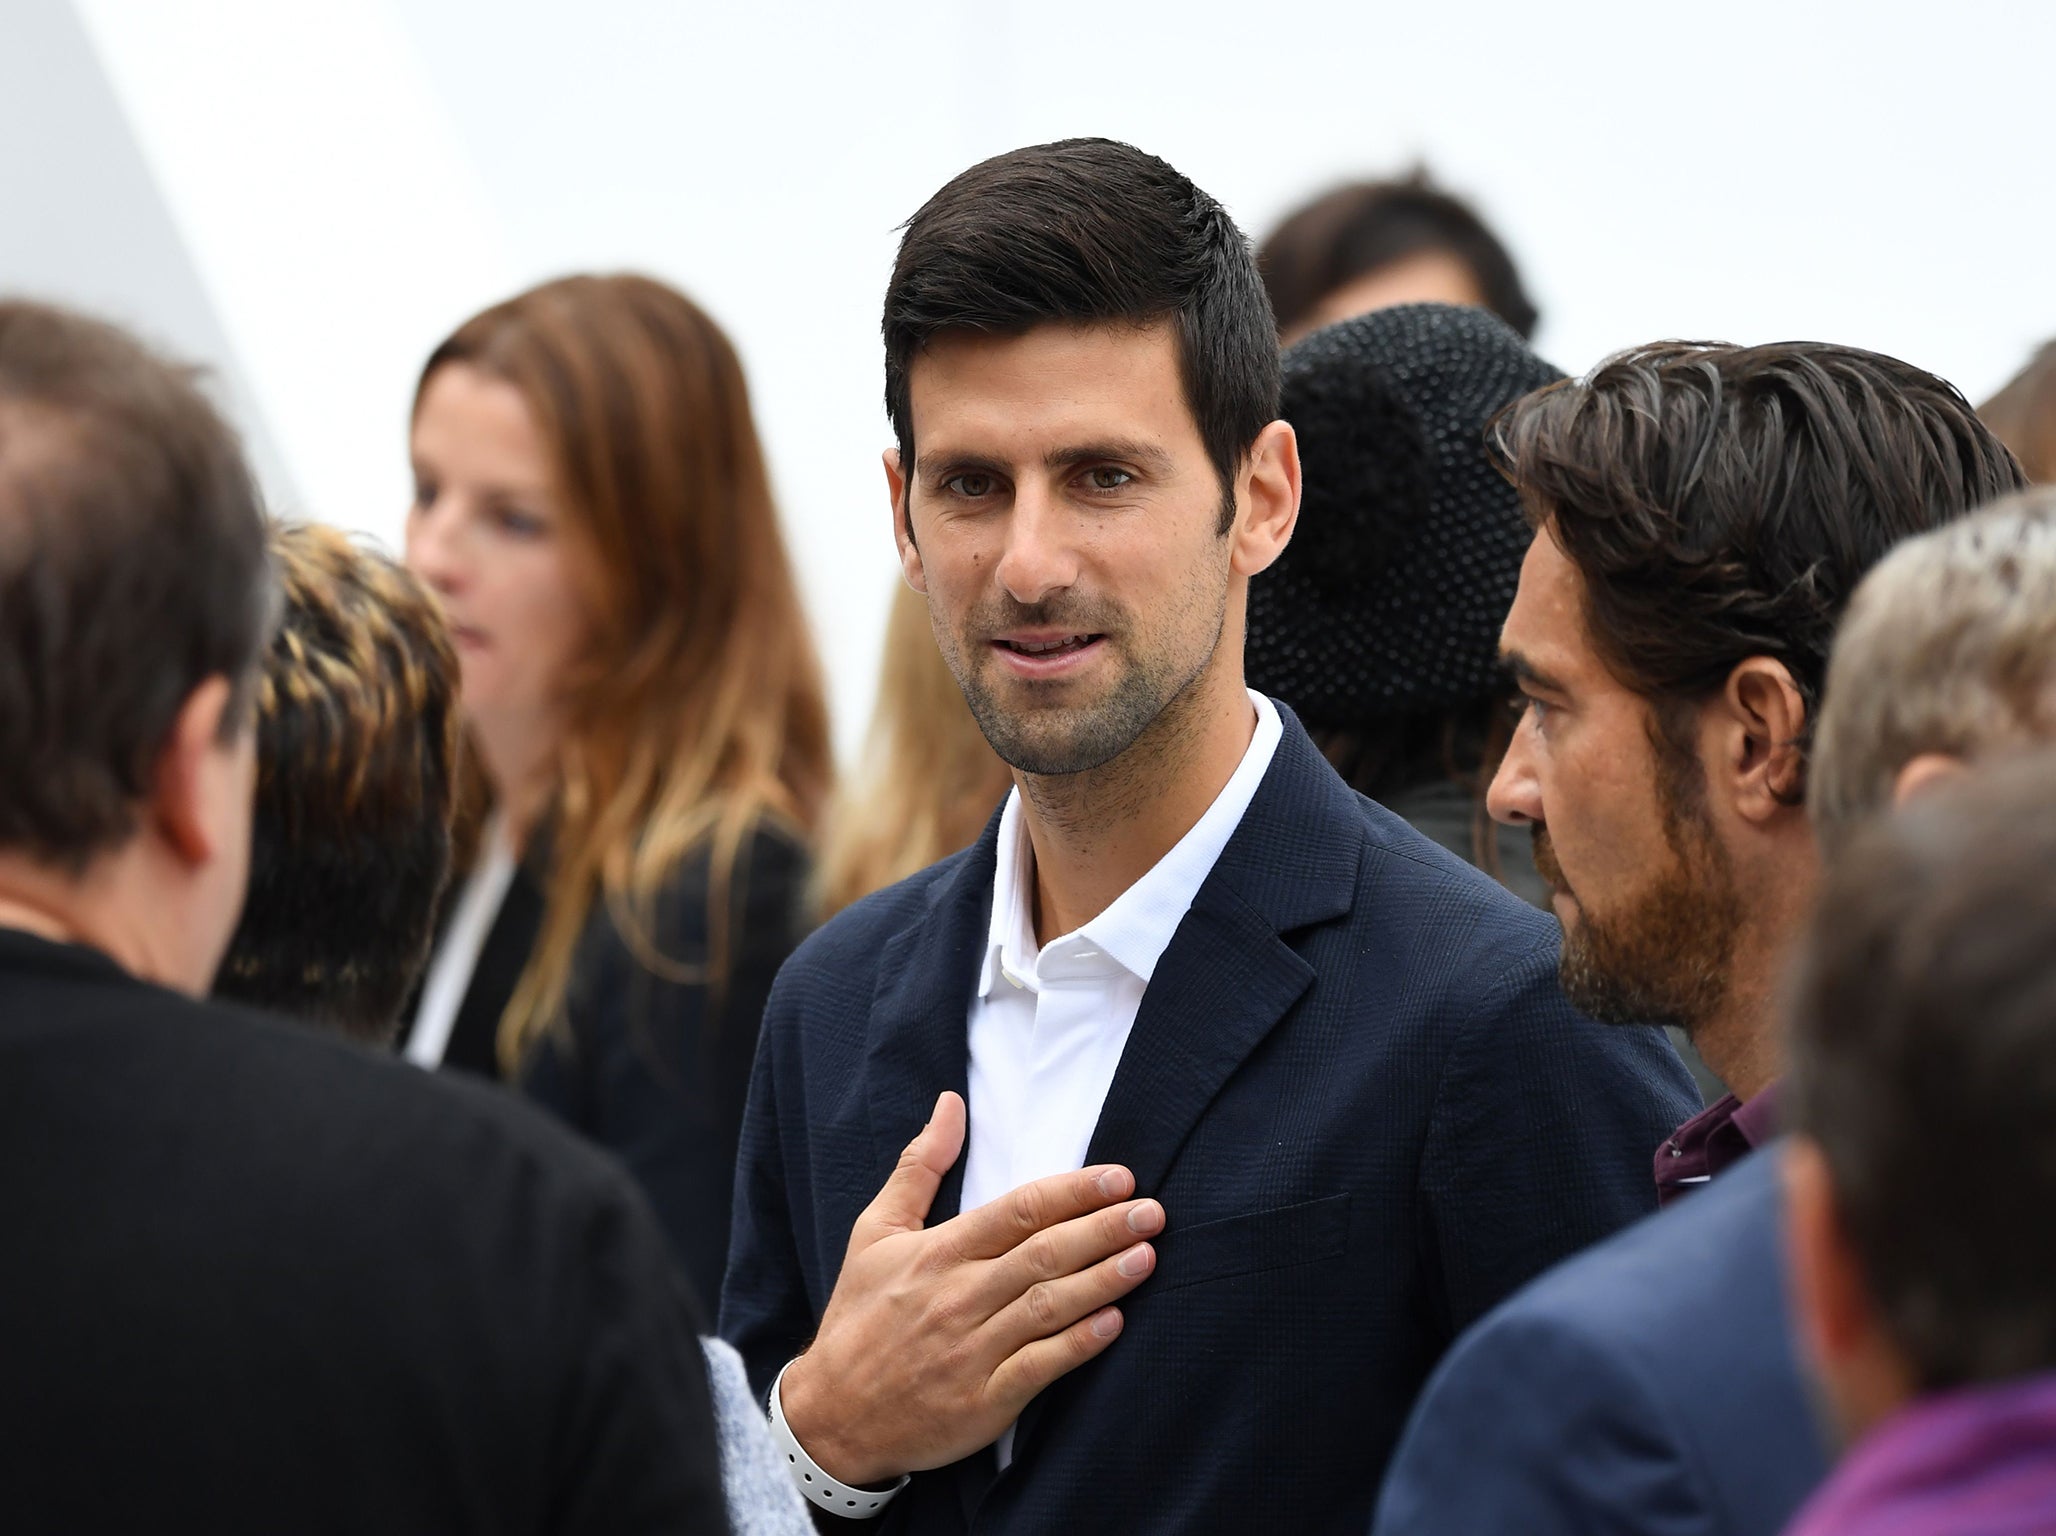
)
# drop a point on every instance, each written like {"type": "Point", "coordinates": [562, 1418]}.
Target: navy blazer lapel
{"type": "Point", "coordinates": [919, 1041]}
{"type": "Point", "coordinates": [1228, 975]}
{"type": "Point", "coordinates": [1225, 980]}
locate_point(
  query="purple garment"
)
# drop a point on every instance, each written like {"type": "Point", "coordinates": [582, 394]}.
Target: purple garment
{"type": "Point", "coordinates": [1714, 1140]}
{"type": "Point", "coordinates": [1978, 1462]}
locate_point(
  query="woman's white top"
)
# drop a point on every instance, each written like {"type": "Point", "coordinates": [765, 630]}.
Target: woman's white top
{"type": "Point", "coordinates": [456, 956]}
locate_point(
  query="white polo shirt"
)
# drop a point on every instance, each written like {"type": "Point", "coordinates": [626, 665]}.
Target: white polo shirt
{"type": "Point", "coordinates": [1048, 1025]}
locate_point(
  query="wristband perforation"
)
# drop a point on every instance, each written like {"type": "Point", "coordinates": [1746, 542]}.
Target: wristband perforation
{"type": "Point", "coordinates": [816, 1486]}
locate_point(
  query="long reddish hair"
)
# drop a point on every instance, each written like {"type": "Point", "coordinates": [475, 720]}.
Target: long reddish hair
{"type": "Point", "coordinates": [696, 713]}
{"type": "Point", "coordinates": [2023, 416]}
{"type": "Point", "coordinates": [928, 782]}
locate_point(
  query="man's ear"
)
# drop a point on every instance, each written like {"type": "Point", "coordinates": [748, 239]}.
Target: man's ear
{"type": "Point", "coordinates": [1924, 772]}
{"type": "Point", "coordinates": [182, 784]}
{"type": "Point", "coordinates": [1828, 1310]}
{"type": "Point", "coordinates": [903, 524]}
{"type": "Point", "coordinates": [1840, 1332]}
{"type": "Point", "coordinates": [1268, 507]}
{"type": "Point", "coordinates": [1766, 719]}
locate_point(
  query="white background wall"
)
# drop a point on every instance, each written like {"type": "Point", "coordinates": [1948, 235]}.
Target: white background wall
{"type": "Point", "coordinates": [309, 194]}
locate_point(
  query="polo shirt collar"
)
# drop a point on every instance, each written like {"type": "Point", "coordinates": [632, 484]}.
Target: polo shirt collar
{"type": "Point", "coordinates": [1138, 927]}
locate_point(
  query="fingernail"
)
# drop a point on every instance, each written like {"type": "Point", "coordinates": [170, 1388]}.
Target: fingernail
{"type": "Point", "coordinates": [1135, 1261]}
{"type": "Point", "coordinates": [1107, 1324]}
{"type": "Point", "coordinates": [1114, 1183]}
{"type": "Point", "coordinates": [1146, 1217]}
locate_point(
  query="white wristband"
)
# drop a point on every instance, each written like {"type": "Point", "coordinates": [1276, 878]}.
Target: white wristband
{"type": "Point", "coordinates": [816, 1486]}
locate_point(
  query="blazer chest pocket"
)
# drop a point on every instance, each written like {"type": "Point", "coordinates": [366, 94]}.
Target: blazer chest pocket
{"type": "Point", "coordinates": [1282, 1236]}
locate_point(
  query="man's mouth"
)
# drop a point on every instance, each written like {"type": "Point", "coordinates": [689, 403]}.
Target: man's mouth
{"type": "Point", "coordinates": [1048, 656]}
{"type": "Point", "coordinates": [1050, 647]}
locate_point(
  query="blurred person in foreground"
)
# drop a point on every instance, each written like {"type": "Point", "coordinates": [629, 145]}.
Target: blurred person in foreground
{"type": "Point", "coordinates": [1187, 985]}
{"type": "Point", "coordinates": [2023, 415]}
{"type": "Point", "coordinates": [1651, 1385]}
{"type": "Point", "coordinates": [356, 748]}
{"type": "Point", "coordinates": [1922, 1174]}
{"type": "Point", "coordinates": [643, 713]}
{"type": "Point", "coordinates": [1372, 244]}
{"type": "Point", "coordinates": [929, 781]}
{"type": "Point", "coordinates": [257, 1279]}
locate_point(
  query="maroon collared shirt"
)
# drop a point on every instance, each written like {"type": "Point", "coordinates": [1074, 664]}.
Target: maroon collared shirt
{"type": "Point", "coordinates": [1713, 1141]}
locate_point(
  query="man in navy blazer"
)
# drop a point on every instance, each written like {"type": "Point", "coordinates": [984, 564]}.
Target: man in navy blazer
{"type": "Point", "coordinates": [1242, 1052]}
{"type": "Point", "coordinates": [1651, 1385]}
{"type": "Point", "coordinates": [1648, 1386]}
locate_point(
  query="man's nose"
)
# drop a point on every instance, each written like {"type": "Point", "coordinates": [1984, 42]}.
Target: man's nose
{"type": "Point", "coordinates": [1515, 796]}
{"type": "Point", "coordinates": [1041, 556]}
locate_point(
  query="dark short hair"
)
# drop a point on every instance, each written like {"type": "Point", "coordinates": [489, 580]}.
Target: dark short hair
{"type": "Point", "coordinates": [356, 753]}
{"type": "Point", "coordinates": [1722, 502]}
{"type": "Point", "coordinates": [1088, 232]}
{"type": "Point", "coordinates": [1924, 1067]}
{"type": "Point", "coordinates": [1355, 229]}
{"type": "Point", "coordinates": [132, 570]}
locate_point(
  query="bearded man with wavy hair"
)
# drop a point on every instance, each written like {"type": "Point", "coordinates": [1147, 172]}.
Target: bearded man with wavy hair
{"type": "Point", "coordinates": [1703, 516]}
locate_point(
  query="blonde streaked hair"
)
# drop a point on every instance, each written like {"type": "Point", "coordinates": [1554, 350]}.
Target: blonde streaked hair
{"type": "Point", "coordinates": [356, 763]}
{"type": "Point", "coordinates": [928, 781]}
{"type": "Point", "coordinates": [696, 713]}
{"type": "Point", "coordinates": [1949, 646]}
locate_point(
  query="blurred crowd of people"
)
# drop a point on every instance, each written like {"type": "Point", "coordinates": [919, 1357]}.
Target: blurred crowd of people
{"type": "Point", "coordinates": [1418, 944]}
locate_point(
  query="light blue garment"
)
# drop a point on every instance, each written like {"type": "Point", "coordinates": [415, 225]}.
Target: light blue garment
{"type": "Point", "coordinates": [1648, 1387]}
{"type": "Point", "coordinates": [761, 1498]}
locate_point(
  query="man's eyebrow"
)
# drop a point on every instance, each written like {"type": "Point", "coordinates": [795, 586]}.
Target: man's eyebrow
{"type": "Point", "coordinates": [1114, 450]}
{"type": "Point", "coordinates": [1525, 671]}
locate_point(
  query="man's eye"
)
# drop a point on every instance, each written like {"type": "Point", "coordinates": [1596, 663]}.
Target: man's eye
{"type": "Point", "coordinates": [1523, 704]}
{"type": "Point", "coordinates": [1104, 479]}
{"type": "Point", "coordinates": [972, 486]}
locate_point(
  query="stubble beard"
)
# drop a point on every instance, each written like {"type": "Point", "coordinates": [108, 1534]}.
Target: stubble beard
{"type": "Point", "coordinates": [1060, 741]}
{"type": "Point", "coordinates": [1669, 957]}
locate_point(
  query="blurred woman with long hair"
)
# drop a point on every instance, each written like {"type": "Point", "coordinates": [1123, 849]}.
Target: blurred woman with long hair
{"type": "Point", "coordinates": [928, 781]}
{"type": "Point", "coordinates": [644, 726]}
